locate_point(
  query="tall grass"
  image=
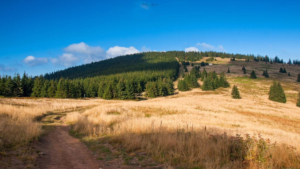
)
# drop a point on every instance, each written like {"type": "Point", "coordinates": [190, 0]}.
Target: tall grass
{"type": "Point", "coordinates": [18, 124]}
{"type": "Point", "coordinates": [184, 146]}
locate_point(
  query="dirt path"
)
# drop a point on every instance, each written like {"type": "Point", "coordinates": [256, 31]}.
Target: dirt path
{"type": "Point", "coordinates": [64, 151]}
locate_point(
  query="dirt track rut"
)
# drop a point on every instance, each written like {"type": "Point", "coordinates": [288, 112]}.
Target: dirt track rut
{"type": "Point", "coordinates": [63, 151]}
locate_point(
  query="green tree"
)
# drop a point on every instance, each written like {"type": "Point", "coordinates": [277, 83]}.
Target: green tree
{"type": "Point", "coordinates": [130, 90]}
{"type": "Point", "coordinates": [101, 89]}
{"type": "Point", "coordinates": [228, 71]}
{"type": "Point", "coordinates": [17, 88]}
{"type": "Point", "coordinates": [182, 85]}
{"type": "Point", "coordinates": [253, 75]}
{"type": "Point", "coordinates": [265, 73]}
{"type": "Point", "coordinates": [207, 84]}
{"type": "Point", "coordinates": [38, 83]}
{"type": "Point", "coordinates": [121, 90]}
{"type": "Point", "coordinates": [51, 89]}
{"type": "Point", "coordinates": [277, 93]}
{"type": "Point", "coordinates": [235, 92]}
{"type": "Point", "coordinates": [108, 92]}
{"type": "Point", "coordinates": [44, 90]}
{"type": "Point", "coordinates": [298, 80]}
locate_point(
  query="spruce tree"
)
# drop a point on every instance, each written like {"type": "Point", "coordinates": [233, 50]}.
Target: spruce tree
{"type": "Point", "coordinates": [245, 71]}
{"type": "Point", "coordinates": [121, 90]}
{"type": "Point", "coordinates": [228, 71]}
{"type": "Point", "coordinates": [298, 80]}
{"type": "Point", "coordinates": [277, 93]}
{"type": "Point", "coordinates": [253, 75]}
{"type": "Point", "coordinates": [289, 74]}
{"type": "Point", "coordinates": [207, 84]}
{"type": "Point", "coordinates": [101, 89]}
{"type": "Point", "coordinates": [182, 85]}
{"type": "Point", "coordinates": [284, 71]}
{"type": "Point", "coordinates": [298, 103]}
{"type": "Point", "coordinates": [18, 90]}
{"type": "Point", "coordinates": [151, 89]}
{"type": "Point", "coordinates": [265, 73]}
{"type": "Point", "coordinates": [108, 93]}
{"type": "Point", "coordinates": [203, 75]}
{"type": "Point", "coordinates": [243, 68]}
{"type": "Point", "coordinates": [281, 70]}
{"type": "Point", "coordinates": [44, 90]}
{"type": "Point", "coordinates": [130, 90]}
{"type": "Point", "coordinates": [51, 89]}
{"type": "Point", "coordinates": [235, 92]}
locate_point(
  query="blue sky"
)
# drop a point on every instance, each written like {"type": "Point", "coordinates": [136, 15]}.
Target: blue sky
{"type": "Point", "coordinates": [43, 36]}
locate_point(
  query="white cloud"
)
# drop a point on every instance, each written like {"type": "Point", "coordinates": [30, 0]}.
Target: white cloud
{"type": "Point", "coordinates": [191, 49]}
{"type": "Point", "coordinates": [33, 61]}
{"type": "Point", "coordinates": [86, 52]}
{"type": "Point", "coordinates": [66, 59]}
{"type": "Point", "coordinates": [206, 47]}
{"type": "Point", "coordinates": [6, 69]}
{"type": "Point", "coordinates": [119, 51]}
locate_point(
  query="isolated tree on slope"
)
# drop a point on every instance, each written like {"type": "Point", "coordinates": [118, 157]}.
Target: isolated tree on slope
{"type": "Point", "coordinates": [277, 93]}
{"type": "Point", "coordinates": [253, 75]}
{"type": "Point", "coordinates": [298, 80]}
{"type": "Point", "coordinates": [235, 92]}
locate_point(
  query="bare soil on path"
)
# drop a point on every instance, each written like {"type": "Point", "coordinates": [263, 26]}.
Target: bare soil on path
{"type": "Point", "coordinates": [60, 150]}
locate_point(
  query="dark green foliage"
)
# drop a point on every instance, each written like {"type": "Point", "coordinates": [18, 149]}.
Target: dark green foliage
{"type": "Point", "coordinates": [17, 86]}
{"type": "Point", "coordinates": [244, 68]}
{"type": "Point", "coordinates": [253, 75]}
{"type": "Point", "coordinates": [203, 75]}
{"type": "Point", "coordinates": [129, 90]}
{"type": "Point", "coordinates": [191, 81]}
{"type": "Point", "coordinates": [203, 64]}
{"type": "Point", "coordinates": [235, 92]}
{"type": "Point", "coordinates": [208, 84]}
{"type": "Point", "coordinates": [162, 87]}
{"type": "Point", "coordinates": [245, 71]}
{"type": "Point", "coordinates": [223, 81]}
{"type": "Point", "coordinates": [232, 59]}
{"type": "Point", "coordinates": [298, 102]}
{"type": "Point", "coordinates": [277, 93]}
{"type": "Point", "coordinates": [108, 92]}
{"type": "Point", "coordinates": [298, 80]}
{"type": "Point", "coordinates": [228, 71]}
{"type": "Point", "coordinates": [289, 74]}
{"type": "Point", "coordinates": [192, 64]}
{"type": "Point", "coordinates": [212, 81]}
{"type": "Point", "coordinates": [183, 86]}
{"type": "Point", "coordinates": [282, 70]}
{"type": "Point", "coordinates": [38, 84]}
{"type": "Point", "coordinates": [265, 73]}
{"type": "Point", "coordinates": [210, 59]}
{"type": "Point", "coordinates": [195, 72]}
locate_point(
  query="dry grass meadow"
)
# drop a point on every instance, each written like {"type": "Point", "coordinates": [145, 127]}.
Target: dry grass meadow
{"type": "Point", "coordinates": [194, 129]}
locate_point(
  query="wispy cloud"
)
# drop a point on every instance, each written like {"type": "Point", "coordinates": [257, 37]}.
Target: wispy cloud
{"type": "Point", "coordinates": [6, 69]}
{"type": "Point", "coordinates": [191, 49]}
{"type": "Point", "coordinates": [205, 47]}
{"type": "Point", "coordinates": [147, 5]}
{"type": "Point", "coordinates": [33, 61]}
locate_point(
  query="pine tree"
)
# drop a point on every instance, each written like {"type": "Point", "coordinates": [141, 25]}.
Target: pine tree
{"type": "Point", "coordinates": [26, 85]}
{"type": "Point", "coordinates": [298, 80]}
{"type": "Point", "coordinates": [151, 89]}
{"type": "Point", "coordinates": [61, 91]}
{"type": "Point", "coordinates": [265, 73]}
{"type": "Point", "coordinates": [235, 92]}
{"type": "Point", "coordinates": [284, 71]}
{"type": "Point", "coordinates": [130, 90]}
{"type": "Point", "coordinates": [223, 81]}
{"type": "Point", "coordinates": [207, 84]}
{"type": "Point", "coordinates": [9, 84]}
{"type": "Point", "coordinates": [51, 89]}
{"type": "Point", "coordinates": [228, 71]}
{"type": "Point", "coordinates": [17, 89]}
{"type": "Point", "coordinates": [277, 93]}
{"type": "Point", "coordinates": [37, 86]}
{"type": "Point", "coordinates": [44, 90]}
{"type": "Point", "coordinates": [243, 68]}
{"type": "Point", "coordinates": [182, 85]}
{"type": "Point", "coordinates": [2, 85]}
{"type": "Point", "coordinates": [101, 89]}
{"type": "Point", "coordinates": [108, 93]}
{"type": "Point", "coordinates": [253, 75]}
{"type": "Point", "coordinates": [298, 103]}
{"type": "Point", "coordinates": [281, 70]}
{"type": "Point", "coordinates": [203, 75]}
{"type": "Point", "coordinates": [121, 90]}
{"type": "Point", "coordinates": [289, 74]}
{"type": "Point", "coordinates": [245, 71]}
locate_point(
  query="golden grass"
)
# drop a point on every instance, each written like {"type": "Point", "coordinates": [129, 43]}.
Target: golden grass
{"type": "Point", "coordinates": [18, 117]}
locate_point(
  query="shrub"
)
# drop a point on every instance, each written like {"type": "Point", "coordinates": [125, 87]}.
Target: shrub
{"type": "Point", "coordinates": [253, 75]}
{"type": "Point", "coordinates": [235, 92]}
{"type": "Point", "coordinates": [277, 93]}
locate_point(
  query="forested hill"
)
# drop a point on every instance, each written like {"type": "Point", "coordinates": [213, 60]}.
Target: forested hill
{"type": "Point", "coordinates": [149, 61]}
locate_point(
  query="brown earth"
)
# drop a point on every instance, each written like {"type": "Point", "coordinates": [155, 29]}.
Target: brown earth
{"type": "Point", "coordinates": [60, 150]}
